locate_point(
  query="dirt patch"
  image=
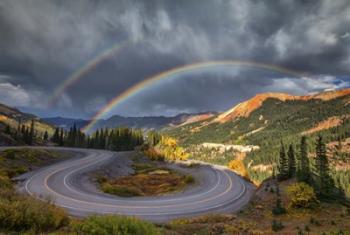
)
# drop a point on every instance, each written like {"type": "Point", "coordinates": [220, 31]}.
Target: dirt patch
{"type": "Point", "coordinates": [326, 124]}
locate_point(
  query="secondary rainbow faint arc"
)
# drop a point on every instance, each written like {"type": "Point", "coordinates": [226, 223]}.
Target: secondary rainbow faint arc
{"type": "Point", "coordinates": [77, 75]}
{"type": "Point", "coordinates": [177, 70]}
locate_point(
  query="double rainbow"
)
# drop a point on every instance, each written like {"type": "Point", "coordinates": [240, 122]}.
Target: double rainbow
{"type": "Point", "coordinates": [133, 90]}
{"type": "Point", "coordinates": [86, 68]}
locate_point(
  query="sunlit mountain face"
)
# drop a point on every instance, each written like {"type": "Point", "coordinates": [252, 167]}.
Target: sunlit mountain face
{"type": "Point", "coordinates": [96, 59]}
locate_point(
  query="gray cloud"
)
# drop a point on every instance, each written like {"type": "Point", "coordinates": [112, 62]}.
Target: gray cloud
{"type": "Point", "coordinates": [44, 41]}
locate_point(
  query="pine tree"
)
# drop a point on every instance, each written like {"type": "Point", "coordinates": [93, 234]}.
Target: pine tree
{"type": "Point", "coordinates": [61, 137]}
{"type": "Point", "coordinates": [291, 162]}
{"type": "Point", "coordinates": [19, 126]}
{"type": "Point", "coordinates": [283, 164]}
{"type": "Point", "coordinates": [46, 136]}
{"type": "Point", "coordinates": [303, 171]}
{"type": "Point", "coordinates": [338, 150]}
{"type": "Point", "coordinates": [26, 136]}
{"type": "Point", "coordinates": [8, 130]}
{"type": "Point", "coordinates": [31, 133]}
{"type": "Point", "coordinates": [23, 129]}
{"type": "Point", "coordinates": [56, 136]}
{"type": "Point", "coordinates": [278, 209]}
{"type": "Point", "coordinates": [324, 182]}
{"type": "Point", "coordinates": [96, 139]}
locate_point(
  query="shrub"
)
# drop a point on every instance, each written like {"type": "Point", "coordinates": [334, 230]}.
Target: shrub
{"type": "Point", "coordinates": [153, 155]}
{"type": "Point", "coordinates": [167, 149]}
{"type": "Point", "coordinates": [314, 221]}
{"type": "Point", "coordinates": [5, 182]}
{"type": "Point", "coordinates": [278, 209]}
{"type": "Point", "coordinates": [189, 179]}
{"type": "Point", "coordinates": [110, 225]}
{"type": "Point", "coordinates": [276, 226]}
{"type": "Point", "coordinates": [307, 229]}
{"type": "Point", "coordinates": [238, 167]}
{"type": "Point", "coordinates": [122, 191]}
{"type": "Point", "coordinates": [20, 170]}
{"type": "Point", "coordinates": [301, 195]}
{"type": "Point", "coordinates": [23, 214]}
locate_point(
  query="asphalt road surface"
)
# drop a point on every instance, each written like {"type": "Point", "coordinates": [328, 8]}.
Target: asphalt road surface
{"type": "Point", "coordinates": [217, 190]}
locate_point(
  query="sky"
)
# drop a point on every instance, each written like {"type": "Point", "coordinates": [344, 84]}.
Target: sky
{"type": "Point", "coordinates": [44, 42]}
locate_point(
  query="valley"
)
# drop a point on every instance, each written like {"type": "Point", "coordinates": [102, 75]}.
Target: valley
{"type": "Point", "coordinates": [163, 117]}
{"type": "Point", "coordinates": [221, 173]}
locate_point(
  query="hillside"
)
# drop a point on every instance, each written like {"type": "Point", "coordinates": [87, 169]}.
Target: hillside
{"type": "Point", "coordinates": [265, 120]}
{"type": "Point", "coordinates": [13, 118]}
{"type": "Point", "coordinates": [244, 109]}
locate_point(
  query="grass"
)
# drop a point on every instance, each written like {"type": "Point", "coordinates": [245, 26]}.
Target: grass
{"type": "Point", "coordinates": [148, 180]}
{"type": "Point", "coordinates": [257, 218]}
{"type": "Point", "coordinates": [111, 224]}
{"type": "Point", "coordinates": [20, 214]}
{"type": "Point", "coordinates": [18, 161]}
{"type": "Point", "coordinates": [121, 190]}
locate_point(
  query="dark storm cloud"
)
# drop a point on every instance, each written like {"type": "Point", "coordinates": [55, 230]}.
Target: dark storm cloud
{"type": "Point", "coordinates": [42, 42]}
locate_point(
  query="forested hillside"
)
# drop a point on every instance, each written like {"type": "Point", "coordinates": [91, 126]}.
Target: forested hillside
{"type": "Point", "coordinates": [273, 119]}
{"type": "Point", "coordinates": [18, 128]}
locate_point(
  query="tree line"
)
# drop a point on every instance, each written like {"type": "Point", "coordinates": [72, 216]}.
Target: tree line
{"type": "Point", "coordinates": [316, 172]}
{"type": "Point", "coordinates": [26, 134]}
{"type": "Point", "coordinates": [117, 139]}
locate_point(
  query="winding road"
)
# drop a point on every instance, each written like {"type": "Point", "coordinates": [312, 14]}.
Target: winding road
{"type": "Point", "coordinates": [217, 190]}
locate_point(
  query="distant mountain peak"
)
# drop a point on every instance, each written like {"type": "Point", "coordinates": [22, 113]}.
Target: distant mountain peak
{"type": "Point", "coordinates": [245, 108]}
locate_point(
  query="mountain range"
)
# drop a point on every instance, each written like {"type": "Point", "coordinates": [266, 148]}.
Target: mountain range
{"type": "Point", "coordinates": [264, 121]}
{"type": "Point", "coordinates": [146, 123]}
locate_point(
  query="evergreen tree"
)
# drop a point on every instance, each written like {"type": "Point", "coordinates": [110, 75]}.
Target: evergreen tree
{"type": "Point", "coordinates": [23, 130]}
{"type": "Point", "coordinates": [46, 136]}
{"type": "Point", "coordinates": [291, 161]}
{"type": "Point", "coordinates": [303, 171]}
{"type": "Point", "coordinates": [26, 136]}
{"type": "Point", "coordinates": [278, 209]}
{"type": "Point", "coordinates": [324, 182]}
{"type": "Point", "coordinates": [19, 126]}
{"type": "Point", "coordinates": [96, 139]}
{"type": "Point", "coordinates": [61, 137]}
{"type": "Point", "coordinates": [283, 164]}
{"type": "Point", "coordinates": [338, 150]}
{"type": "Point", "coordinates": [56, 136]}
{"type": "Point", "coordinates": [8, 130]}
{"type": "Point", "coordinates": [31, 133]}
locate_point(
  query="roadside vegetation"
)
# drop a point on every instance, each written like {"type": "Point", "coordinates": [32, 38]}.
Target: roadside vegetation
{"type": "Point", "coordinates": [17, 161]}
{"type": "Point", "coordinates": [163, 148]}
{"type": "Point", "coordinates": [148, 180]}
{"type": "Point", "coordinates": [20, 213]}
{"type": "Point", "coordinates": [114, 225]}
{"type": "Point", "coordinates": [275, 209]}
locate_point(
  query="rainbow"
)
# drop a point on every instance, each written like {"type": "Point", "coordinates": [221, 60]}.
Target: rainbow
{"type": "Point", "coordinates": [86, 68]}
{"type": "Point", "coordinates": [176, 71]}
